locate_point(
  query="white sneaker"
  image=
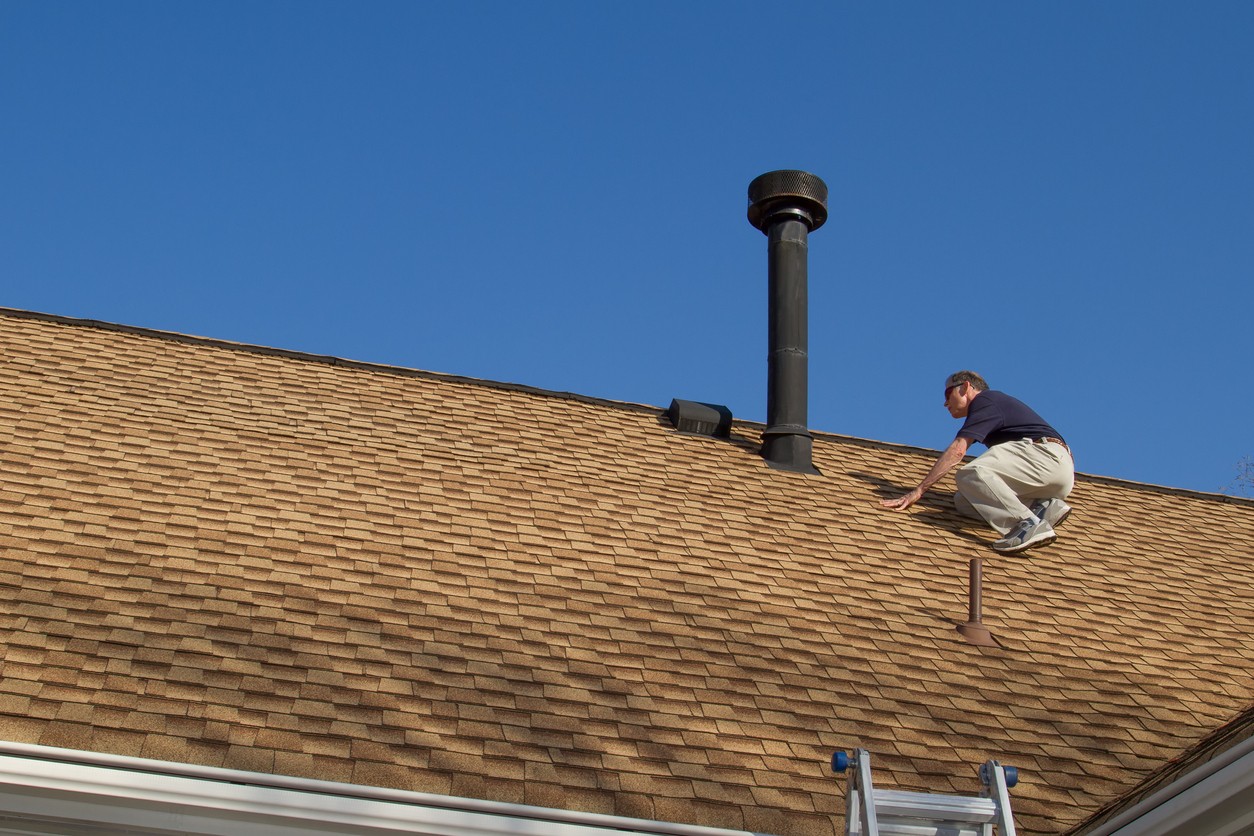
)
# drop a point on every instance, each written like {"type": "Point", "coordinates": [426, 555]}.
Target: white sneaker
{"type": "Point", "coordinates": [1026, 534]}
{"type": "Point", "coordinates": [1052, 511]}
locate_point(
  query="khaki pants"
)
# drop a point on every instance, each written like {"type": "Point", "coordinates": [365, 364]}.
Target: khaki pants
{"type": "Point", "coordinates": [999, 484]}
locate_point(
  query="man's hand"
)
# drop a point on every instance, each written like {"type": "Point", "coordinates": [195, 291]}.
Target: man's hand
{"type": "Point", "coordinates": [952, 455]}
{"type": "Point", "coordinates": [904, 501]}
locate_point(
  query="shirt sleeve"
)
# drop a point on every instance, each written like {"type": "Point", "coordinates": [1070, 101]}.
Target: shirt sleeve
{"type": "Point", "coordinates": [983, 419]}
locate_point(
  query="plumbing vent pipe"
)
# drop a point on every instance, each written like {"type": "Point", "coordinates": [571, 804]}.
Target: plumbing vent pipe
{"type": "Point", "coordinates": [786, 206]}
{"type": "Point", "coordinates": [974, 630]}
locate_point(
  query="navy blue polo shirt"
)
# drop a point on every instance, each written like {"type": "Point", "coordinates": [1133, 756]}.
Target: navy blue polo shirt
{"type": "Point", "coordinates": [995, 418]}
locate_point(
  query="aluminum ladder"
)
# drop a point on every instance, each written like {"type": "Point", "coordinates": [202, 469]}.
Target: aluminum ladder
{"type": "Point", "coordinates": [872, 812]}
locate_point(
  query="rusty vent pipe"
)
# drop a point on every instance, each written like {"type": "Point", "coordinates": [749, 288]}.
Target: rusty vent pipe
{"type": "Point", "coordinates": [974, 630]}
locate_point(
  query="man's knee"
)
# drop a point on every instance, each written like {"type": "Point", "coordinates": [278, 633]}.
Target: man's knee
{"type": "Point", "coordinates": [967, 475]}
{"type": "Point", "coordinates": [964, 507]}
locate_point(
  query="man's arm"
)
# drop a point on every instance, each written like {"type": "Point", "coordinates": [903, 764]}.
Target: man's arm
{"type": "Point", "coordinates": [948, 459]}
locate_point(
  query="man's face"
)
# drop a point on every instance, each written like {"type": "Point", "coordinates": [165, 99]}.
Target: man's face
{"type": "Point", "coordinates": [958, 399]}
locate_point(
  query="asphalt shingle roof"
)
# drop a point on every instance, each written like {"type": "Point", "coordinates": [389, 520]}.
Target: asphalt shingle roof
{"type": "Point", "coordinates": [255, 559]}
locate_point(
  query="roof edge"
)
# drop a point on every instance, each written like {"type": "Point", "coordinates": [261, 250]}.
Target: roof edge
{"type": "Point", "coordinates": [404, 371]}
{"type": "Point", "coordinates": [326, 359]}
{"type": "Point", "coordinates": [117, 787]}
{"type": "Point", "coordinates": [1219, 750]}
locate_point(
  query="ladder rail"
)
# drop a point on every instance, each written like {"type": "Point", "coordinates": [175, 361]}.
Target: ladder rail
{"type": "Point", "coordinates": [998, 786]}
{"type": "Point", "coordinates": [875, 812]}
{"type": "Point", "coordinates": [869, 821]}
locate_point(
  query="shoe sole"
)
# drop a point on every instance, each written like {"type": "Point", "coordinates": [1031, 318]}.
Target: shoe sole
{"type": "Point", "coordinates": [1042, 540]}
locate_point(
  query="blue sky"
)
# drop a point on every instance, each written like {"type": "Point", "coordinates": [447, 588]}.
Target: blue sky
{"type": "Point", "coordinates": [1059, 195]}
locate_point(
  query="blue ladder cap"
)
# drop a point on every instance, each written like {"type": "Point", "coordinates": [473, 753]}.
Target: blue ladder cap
{"type": "Point", "coordinates": [1010, 773]}
{"type": "Point", "coordinates": [840, 761]}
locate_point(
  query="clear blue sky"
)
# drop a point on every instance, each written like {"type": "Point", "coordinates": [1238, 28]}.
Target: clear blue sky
{"type": "Point", "coordinates": [1059, 195]}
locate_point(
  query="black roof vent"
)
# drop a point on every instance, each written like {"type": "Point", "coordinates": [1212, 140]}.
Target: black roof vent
{"type": "Point", "coordinates": [787, 206]}
{"type": "Point", "coordinates": [797, 194]}
{"type": "Point", "coordinates": [692, 418]}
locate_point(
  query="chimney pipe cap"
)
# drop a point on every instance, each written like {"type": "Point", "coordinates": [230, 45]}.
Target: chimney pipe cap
{"type": "Point", "coordinates": [797, 193]}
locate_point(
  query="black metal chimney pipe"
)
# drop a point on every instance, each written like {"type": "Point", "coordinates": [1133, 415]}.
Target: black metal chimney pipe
{"type": "Point", "coordinates": [787, 205]}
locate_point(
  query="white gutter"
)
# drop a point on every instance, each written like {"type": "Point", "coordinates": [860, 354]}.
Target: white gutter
{"type": "Point", "coordinates": [1215, 798]}
{"type": "Point", "coordinates": [42, 783]}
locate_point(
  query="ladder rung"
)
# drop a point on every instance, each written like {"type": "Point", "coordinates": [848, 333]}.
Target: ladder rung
{"type": "Point", "coordinates": [949, 808]}
{"type": "Point", "coordinates": [905, 827]}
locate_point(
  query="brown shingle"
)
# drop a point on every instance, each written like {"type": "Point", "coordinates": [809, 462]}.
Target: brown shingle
{"type": "Point", "coordinates": [258, 560]}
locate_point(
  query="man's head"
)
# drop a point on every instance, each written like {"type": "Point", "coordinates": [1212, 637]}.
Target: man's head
{"type": "Point", "coordinates": [960, 389]}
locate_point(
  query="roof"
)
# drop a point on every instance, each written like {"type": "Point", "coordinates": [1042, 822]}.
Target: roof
{"type": "Point", "coordinates": [259, 560]}
{"type": "Point", "coordinates": [1221, 749]}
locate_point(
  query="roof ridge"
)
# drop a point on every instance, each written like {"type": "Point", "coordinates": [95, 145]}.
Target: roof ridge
{"type": "Point", "coordinates": [405, 371]}
{"type": "Point", "coordinates": [326, 359]}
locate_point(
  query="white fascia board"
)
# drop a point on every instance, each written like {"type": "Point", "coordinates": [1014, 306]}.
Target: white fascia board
{"type": "Point", "coordinates": [42, 783]}
{"type": "Point", "coordinates": [1216, 799]}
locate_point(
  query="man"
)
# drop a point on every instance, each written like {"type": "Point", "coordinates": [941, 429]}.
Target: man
{"type": "Point", "coordinates": [1026, 461]}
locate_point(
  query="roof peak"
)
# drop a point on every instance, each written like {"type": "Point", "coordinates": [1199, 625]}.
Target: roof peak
{"type": "Point", "coordinates": [405, 371]}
